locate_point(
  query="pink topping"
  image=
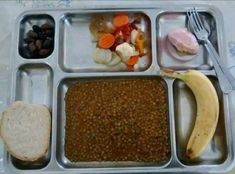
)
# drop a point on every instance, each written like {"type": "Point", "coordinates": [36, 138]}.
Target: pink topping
{"type": "Point", "coordinates": [183, 40]}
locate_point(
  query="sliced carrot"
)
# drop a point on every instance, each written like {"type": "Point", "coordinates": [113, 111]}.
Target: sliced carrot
{"type": "Point", "coordinates": [133, 60]}
{"type": "Point", "coordinates": [130, 67]}
{"type": "Point", "coordinates": [106, 41]}
{"type": "Point", "coordinates": [120, 20]}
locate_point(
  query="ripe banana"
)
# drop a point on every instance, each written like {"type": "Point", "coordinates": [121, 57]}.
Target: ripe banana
{"type": "Point", "coordinates": [207, 109]}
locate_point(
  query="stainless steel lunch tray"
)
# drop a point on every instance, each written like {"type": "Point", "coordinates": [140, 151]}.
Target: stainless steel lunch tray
{"type": "Point", "coordinates": [46, 80]}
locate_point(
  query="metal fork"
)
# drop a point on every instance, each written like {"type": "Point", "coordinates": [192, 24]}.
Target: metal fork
{"type": "Point", "coordinates": [226, 80]}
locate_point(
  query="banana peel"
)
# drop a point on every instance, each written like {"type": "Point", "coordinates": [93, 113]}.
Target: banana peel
{"type": "Point", "coordinates": [207, 109]}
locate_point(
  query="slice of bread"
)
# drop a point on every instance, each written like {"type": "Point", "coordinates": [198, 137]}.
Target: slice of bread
{"type": "Point", "coordinates": [25, 130]}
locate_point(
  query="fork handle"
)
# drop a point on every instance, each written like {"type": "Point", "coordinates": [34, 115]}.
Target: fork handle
{"type": "Point", "coordinates": [226, 80]}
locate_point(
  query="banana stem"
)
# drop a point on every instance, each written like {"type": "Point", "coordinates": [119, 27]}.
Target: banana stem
{"type": "Point", "coordinates": [171, 73]}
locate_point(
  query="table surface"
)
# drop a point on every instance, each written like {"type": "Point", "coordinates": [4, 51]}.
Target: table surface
{"type": "Point", "coordinates": [9, 10]}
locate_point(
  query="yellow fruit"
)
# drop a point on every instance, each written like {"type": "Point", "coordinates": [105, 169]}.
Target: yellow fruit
{"type": "Point", "coordinates": [207, 109]}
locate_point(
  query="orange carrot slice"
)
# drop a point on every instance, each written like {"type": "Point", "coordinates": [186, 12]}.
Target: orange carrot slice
{"type": "Point", "coordinates": [120, 20]}
{"type": "Point", "coordinates": [130, 68]}
{"type": "Point", "coordinates": [133, 60]}
{"type": "Point", "coordinates": [106, 41]}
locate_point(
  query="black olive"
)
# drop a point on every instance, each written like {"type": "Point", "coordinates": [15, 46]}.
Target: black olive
{"type": "Point", "coordinates": [32, 47]}
{"type": "Point", "coordinates": [32, 34]}
{"type": "Point", "coordinates": [47, 26]}
{"type": "Point", "coordinates": [47, 43]}
{"type": "Point", "coordinates": [28, 40]}
{"type": "Point", "coordinates": [42, 35]}
{"type": "Point", "coordinates": [49, 33]}
{"type": "Point", "coordinates": [38, 44]}
{"type": "Point", "coordinates": [44, 52]}
{"type": "Point", "coordinates": [36, 28]}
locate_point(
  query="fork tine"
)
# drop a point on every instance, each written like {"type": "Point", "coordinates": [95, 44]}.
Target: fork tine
{"type": "Point", "coordinates": [191, 21]}
{"type": "Point", "coordinates": [197, 19]}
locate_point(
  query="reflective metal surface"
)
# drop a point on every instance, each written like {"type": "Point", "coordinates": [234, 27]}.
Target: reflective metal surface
{"type": "Point", "coordinates": [46, 81]}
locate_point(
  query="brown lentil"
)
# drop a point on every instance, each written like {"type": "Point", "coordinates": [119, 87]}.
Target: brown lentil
{"type": "Point", "coordinates": [117, 120]}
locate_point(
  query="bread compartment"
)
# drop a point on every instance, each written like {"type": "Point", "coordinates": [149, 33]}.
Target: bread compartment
{"type": "Point", "coordinates": [185, 107]}
{"type": "Point", "coordinates": [66, 161]}
{"type": "Point", "coordinates": [77, 48]}
{"type": "Point", "coordinates": [34, 84]}
{"type": "Point", "coordinates": [167, 54]}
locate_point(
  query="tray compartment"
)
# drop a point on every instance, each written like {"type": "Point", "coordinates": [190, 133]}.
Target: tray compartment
{"type": "Point", "coordinates": [76, 48]}
{"type": "Point", "coordinates": [61, 121]}
{"type": "Point", "coordinates": [167, 57]}
{"type": "Point", "coordinates": [26, 24]}
{"type": "Point", "coordinates": [34, 85]}
{"type": "Point", "coordinates": [185, 115]}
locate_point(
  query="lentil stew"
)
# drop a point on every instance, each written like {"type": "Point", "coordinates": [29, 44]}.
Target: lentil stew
{"type": "Point", "coordinates": [117, 120]}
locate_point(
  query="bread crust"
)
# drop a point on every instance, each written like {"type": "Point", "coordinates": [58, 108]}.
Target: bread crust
{"type": "Point", "coordinates": [28, 109]}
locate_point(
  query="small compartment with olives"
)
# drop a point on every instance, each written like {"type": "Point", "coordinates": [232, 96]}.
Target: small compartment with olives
{"type": "Point", "coordinates": [36, 38]}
